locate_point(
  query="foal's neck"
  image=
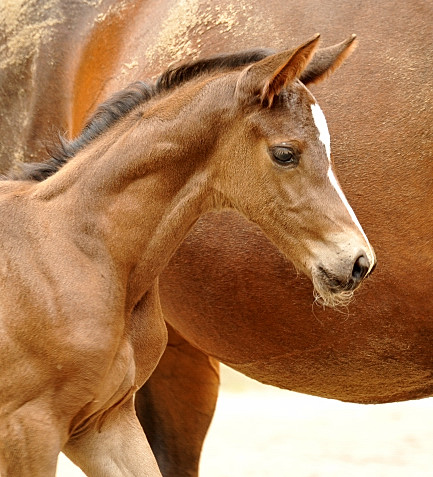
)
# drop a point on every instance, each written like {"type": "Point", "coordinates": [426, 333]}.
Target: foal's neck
{"type": "Point", "coordinates": [138, 191]}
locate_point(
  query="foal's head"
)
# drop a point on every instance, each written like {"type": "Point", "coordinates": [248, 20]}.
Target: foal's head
{"type": "Point", "coordinates": [273, 164]}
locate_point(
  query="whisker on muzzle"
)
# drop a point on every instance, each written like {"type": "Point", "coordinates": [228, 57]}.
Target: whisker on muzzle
{"type": "Point", "coordinates": [330, 297]}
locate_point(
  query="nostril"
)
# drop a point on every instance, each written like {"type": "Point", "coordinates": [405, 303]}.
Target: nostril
{"type": "Point", "coordinates": [360, 268]}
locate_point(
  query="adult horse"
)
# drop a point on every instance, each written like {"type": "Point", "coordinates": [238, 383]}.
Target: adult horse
{"type": "Point", "coordinates": [228, 293]}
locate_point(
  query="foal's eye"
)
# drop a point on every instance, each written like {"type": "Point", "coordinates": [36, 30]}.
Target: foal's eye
{"type": "Point", "coordinates": [285, 156]}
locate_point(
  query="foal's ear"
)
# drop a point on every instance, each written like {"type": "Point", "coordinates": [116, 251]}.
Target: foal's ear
{"type": "Point", "coordinates": [327, 60]}
{"type": "Point", "coordinates": [269, 76]}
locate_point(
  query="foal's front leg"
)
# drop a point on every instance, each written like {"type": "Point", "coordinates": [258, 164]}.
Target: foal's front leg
{"type": "Point", "coordinates": [118, 448]}
{"type": "Point", "coordinates": [31, 439]}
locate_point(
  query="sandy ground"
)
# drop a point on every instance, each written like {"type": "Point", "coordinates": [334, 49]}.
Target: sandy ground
{"type": "Point", "coordinates": [259, 431]}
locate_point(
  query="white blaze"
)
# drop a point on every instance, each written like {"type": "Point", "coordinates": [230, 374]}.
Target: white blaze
{"type": "Point", "coordinates": [324, 136]}
{"type": "Point", "coordinates": [322, 126]}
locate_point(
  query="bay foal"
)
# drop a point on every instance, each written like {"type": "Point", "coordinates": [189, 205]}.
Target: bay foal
{"type": "Point", "coordinates": [80, 322]}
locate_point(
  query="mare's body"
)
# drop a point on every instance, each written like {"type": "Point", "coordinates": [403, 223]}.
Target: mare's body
{"type": "Point", "coordinates": [228, 291]}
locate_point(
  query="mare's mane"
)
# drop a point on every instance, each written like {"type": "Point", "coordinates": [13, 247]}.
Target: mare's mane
{"type": "Point", "coordinates": [125, 101]}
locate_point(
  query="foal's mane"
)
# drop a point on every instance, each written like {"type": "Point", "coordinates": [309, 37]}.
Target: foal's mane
{"type": "Point", "coordinates": [126, 100]}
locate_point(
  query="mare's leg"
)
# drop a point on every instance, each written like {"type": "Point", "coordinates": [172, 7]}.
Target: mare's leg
{"type": "Point", "coordinates": [30, 442]}
{"type": "Point", "coordinates": [176, 405]}
{"type": "Point", "coordinates": [117, 448]}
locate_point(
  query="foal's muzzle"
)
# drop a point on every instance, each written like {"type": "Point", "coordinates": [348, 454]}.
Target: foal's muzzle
{"type": "Point", "coordinates": [348, 276]}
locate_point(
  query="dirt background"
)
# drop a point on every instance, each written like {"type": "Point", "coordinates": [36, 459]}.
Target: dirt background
{"type": "Point", "coordinates": [260, 431]}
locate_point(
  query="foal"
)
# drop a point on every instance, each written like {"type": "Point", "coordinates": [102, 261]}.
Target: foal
{"type": "Point", "coordinates": [81, 327]}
